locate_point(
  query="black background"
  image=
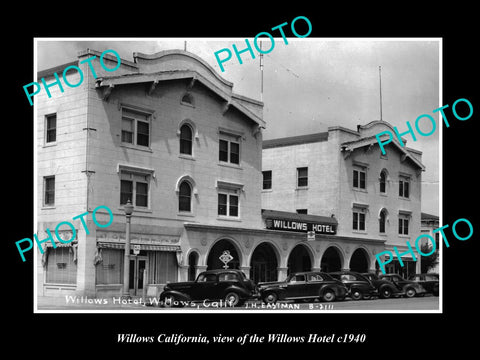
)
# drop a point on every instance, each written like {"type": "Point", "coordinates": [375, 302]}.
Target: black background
{"type": "Point", "coordinates": [387, 334]}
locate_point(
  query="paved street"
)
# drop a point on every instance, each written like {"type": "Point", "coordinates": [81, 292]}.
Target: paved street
{"type": "Point", "coordinates": [116, 304]}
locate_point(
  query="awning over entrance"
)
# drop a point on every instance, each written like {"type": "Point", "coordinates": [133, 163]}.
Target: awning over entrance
{"type": "Point", "coordinates": [148, 247]}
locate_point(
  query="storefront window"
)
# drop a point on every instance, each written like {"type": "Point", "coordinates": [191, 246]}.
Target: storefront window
{"type": "Point", "coordinates": [61, 268]}
{"type": "Point", "coordinates": [110, 269]}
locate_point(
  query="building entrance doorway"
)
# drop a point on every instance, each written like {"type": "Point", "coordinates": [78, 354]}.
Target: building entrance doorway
{"type": "Point", "coordinates": [299, 260]}
{"type": "Point", "coordinates": [137, 266]}
{"type": "Point", "coordinates": [214, 257]}
{"type": "Point", "coordinates": [263, 266]}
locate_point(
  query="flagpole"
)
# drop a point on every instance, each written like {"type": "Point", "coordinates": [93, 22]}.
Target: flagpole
{"type": "Point", "coordinates": [261, 72]}
{"type": "Point", "coordinates": [380, 77]}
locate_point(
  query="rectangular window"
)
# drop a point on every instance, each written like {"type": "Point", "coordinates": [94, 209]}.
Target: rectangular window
{"type": "Point", "coordinates": [134, 187]}
{"type": "Point", "coordinates": [302, 177]}
{"type": "Point", "coordinates": [110, 269]}
{"type": "Point", "coordinates": [162, 267]}
{"type": "Point", "coordinates": [403, 226]}
{"type": "Point", "coordinates": [143, 133]}
{"type": "Point", "coordinates": [302, 211]}
{"type": "Point", "coordinates": [228, 205]}
{"type": "Point", "coordinates": [127, 130]}
{"type": "Point", "coordinates": [267, 179]}
{"type": "Point", "coordinates": [126, 191]}
{"type": "Point", "coordinates": [51, 128]}
{"type": "Point", "coordinates": [60, 267]}
{"type": "Point", "coordinates": [404, 188]}
{"type": "Point", "coordinates": [359, 179]}
{"type": "Point", "coordinates": [233, 205]}
{"type": "Point", "coordinates": [49, 190]}
{"type": "Point", "coordinates": [141, 197]}
{"type": "Point", "coordinates": [222, 204]}
{"type": "Point", "coordinates": [229, 151]}
{"type": "Point", "coordinates": [358, 220]}
{"type": "Point", "coordinates": [135, 128]}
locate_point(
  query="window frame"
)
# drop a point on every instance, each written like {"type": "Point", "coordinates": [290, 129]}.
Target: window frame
{"type": "Point", "coordinates": [134, 179]}
{"type": "Point", "coordinates": [384, 175]}
{"type": "Point", "coordinates": [359, 212]}
{"type": "Point", "coordinates": [190, 210]}
{"type": "Point", "coordinates": [402, 181]}
{"type": "Point", "coordinates": [190, 141]}
{"type": "Point", "coordinates": [133, 115]}
{"type": "Point", "coordinates": [228, 206]}
{"type": "Point", "coordinates": [45, 179]}
{"type": "Point", "coordinates": [359, 171]}
{"type": "Point", "coordinates": [302, 177]}
{"type": "Point", "coordinates": [266, 181]}
{"type": "Point", "coordinates": [47, 118]}
{"type": "Point", "coordinates": [229, 151]}
{"type": "Point", "coordinates": [401, 225]}
{"type": "Point", "coordinates": [384, 213]}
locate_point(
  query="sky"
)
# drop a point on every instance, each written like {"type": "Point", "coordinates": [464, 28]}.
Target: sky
{"type": "Point", "coordinates": [310, 84]}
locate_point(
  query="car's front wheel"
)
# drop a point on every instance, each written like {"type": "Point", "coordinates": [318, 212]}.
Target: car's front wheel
{"type": "Point", "coordinates": [385, 292]}
{"type": "Point", "coordinates": [233, 299]}
{"type": "Point", "coordinates": [270, 298]}
{"type": "Point", "coordinates": [328, 295]}
{"type": "Point", "coordinates": [356, 294]}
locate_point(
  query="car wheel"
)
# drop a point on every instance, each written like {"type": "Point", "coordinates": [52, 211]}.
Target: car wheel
{"type": "Point", "coordinates": [410, 293]}
{"type": "Point", "coordinates": [270, 298]}
{"type": "Point", "coordinates": [169, 301]}
{"type": "Point", "coordinates": [232, 299]}
{"type": "Point", "coordinates": [356, 295]}
{"type": "Point", "coordinates": [328, 295]}
{"type": "Point", "coordinates": [385, 292]}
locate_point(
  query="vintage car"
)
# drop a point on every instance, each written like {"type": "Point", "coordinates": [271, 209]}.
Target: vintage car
{"type": "Point", "coordinates": [429, 282]}
{"type": "Point", "coordinates": [359, 287]}
{"type": "Point", "coordinates": [303, 286]}
{"type": "Point", "coordinates": [411, 288]}
{"type": "Point", "coordinates": [385, 288]}
{"type": "Point", "coordinates": [228, 285]}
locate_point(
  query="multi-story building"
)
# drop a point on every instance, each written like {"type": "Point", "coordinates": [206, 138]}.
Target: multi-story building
{"type": "Point", "coordinates": [168, 133]}
{"type": "Point", "coordinates": [165, 132]}
{"type": "Point", "coordinates": [342, 174]}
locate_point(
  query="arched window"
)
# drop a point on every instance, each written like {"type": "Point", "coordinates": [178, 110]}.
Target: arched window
{"type": "Point", "coordinates": [383, 181]}
{"type": "Point", "coordinates": [185, 197]}
{"type": "Point", "coordinates": [382, 221]}
{"type": "Point", "coordinates": [186, 139]}
{"type": "Point", "coordinates": [187, 99]}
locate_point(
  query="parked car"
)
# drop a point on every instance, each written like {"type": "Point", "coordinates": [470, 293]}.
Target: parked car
{"type": "Point", "coordinates": [303, 285]}
{"type": "Point", "coordinates": [229, 285]}
{"type": "Point", "coordinates": [430, 282]}
{"type": "Point", "coordinates": [359, 287]}
{"type": "Point", "coordinates": [411, 288]}
{"type": "Point", "coordinates": [385, 288]}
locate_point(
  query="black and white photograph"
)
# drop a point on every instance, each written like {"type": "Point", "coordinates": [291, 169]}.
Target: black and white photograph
{"type": "Point", "coordinates": [224, 182]}
{"type": "Point", "coordinates": [172, 180]}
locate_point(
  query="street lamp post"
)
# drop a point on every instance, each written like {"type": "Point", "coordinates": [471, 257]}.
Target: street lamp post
{"type": "Point", "coordinates": [126, 261]}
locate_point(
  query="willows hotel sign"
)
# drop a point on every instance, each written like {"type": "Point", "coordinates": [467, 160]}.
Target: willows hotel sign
{"type": "Point", "coordinates": [301, 225]}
